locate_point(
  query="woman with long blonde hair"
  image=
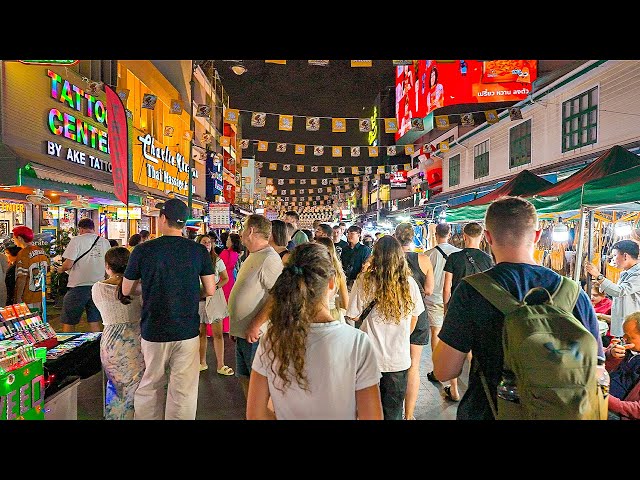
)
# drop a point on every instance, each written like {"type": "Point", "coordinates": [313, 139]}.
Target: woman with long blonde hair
{"type": "Point", "coordinates": [312, 366]}
{"type": "Point", "coordinates": [389, 283]}
{"type": "Point", "coordinates": [339, 301]}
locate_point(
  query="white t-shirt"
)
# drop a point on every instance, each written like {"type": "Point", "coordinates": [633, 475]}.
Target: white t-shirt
{"type": "Point", "coordinates": [438, 261]}
{"type": "Point", "coordinates": [90, 268]}
{"type": "Point", "coordinates": [390, 340]}
{"type": "Point", "coordinates": [257, 275]}
{"type": "Point", "coordinates": [219, 267]}
{"type": "Point", "coordinates": [339, 361]}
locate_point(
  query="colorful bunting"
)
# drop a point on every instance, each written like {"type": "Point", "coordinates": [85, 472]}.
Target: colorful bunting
{"type": "Point", "coordinates": [176, 107]}
{"type": "Point", "coordinates": [232, 115]}
{"type": "Point", "coordinates": [491, 116]}
{"type": "Point", "coordinates": [258, 119]}
{"type": "Point", "coordinates": [285, 122]}
{"type": "Point", "coordinates": [313, 124]}
{"type": "Point", "coordinates": [149, 101]}
{"type": "Point", "coordinates": [390, 125]}
{"type": "Point", "coordinates": [338, 125]}
{"type": "Point", "coordinates": [203, 110]}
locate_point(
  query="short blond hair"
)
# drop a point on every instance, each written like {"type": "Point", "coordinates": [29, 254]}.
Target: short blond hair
{"type": "Point", "coordinates": [509, 219]}
{"type": "Point", "coordinates": [260, 223]}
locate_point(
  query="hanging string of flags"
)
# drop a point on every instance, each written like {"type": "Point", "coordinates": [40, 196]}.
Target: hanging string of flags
{"type": "Point", "coordinates": [369, 170]}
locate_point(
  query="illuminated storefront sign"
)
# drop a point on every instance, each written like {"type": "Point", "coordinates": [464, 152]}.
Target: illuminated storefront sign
{"type": "Point", "coordinates": [135, 213]}
{"type": "Point", "coordinates": [373, 134]}
{"type": "Point", "coordinates": [156, 166]}
{"type": "Point", "coordinates": [50, 111]}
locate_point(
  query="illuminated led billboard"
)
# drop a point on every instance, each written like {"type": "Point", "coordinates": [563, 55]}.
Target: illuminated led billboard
{"type": "Point", "coordinates": [427, 85]}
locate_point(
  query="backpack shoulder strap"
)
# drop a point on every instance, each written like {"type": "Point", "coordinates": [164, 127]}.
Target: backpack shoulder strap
{"type": "Point", "coordinates": [493, 292]}
{"type": "Point", "coordinates": [566, 295]}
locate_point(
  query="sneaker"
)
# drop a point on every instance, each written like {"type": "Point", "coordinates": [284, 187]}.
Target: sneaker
{"type": "Point", "coordinates": [203, 367]}
{"type": "Point", "coordinates": [432, 377]}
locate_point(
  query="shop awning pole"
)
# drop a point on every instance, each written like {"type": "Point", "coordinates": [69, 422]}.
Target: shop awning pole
{"type": "Point", "coordinates": [583, 221]}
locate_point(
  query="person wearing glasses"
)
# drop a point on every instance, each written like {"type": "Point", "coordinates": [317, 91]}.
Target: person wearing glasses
{"type": "Point", "coordinates": [626, 292]}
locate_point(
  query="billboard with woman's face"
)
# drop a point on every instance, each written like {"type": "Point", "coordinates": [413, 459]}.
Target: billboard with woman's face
{"type": "Point", "coordinates": [427, 85]}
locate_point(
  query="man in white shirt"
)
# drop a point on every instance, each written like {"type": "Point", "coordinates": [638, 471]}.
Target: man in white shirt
{"type": "Point", "coordinates": [84, 260]}
{"type": "Point", "coordinates": [626, 292]}
{"type": "Point", "coordinates": [434, 303]}
{"type": "Point", "coordinates": [250, 291]}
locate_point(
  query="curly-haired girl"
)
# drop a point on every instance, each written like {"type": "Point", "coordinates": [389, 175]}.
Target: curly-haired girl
{"type": "Point", "coordinates": [388, 281]}
{"type": "Point", "coordinates": [312, 366]}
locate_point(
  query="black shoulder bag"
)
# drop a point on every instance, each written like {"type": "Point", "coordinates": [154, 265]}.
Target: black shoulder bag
{"type": "Point", "coordinates": [472, 262]}
{"type": "Point", "coordinates": [90, 248]}
{"type": "Point", "coordinates": [442, 252]}
{"type": "Point", "coordinates": [365, 313]}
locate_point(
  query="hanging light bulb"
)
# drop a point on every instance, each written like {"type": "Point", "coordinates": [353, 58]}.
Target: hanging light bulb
{"type": "Point", "coordinates": [622, 229]}
{"type": "Point", "coordinates": [560, 233]}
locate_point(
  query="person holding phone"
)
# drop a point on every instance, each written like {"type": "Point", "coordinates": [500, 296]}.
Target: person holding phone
{"type": "Point", "coordinates": [623, 364]}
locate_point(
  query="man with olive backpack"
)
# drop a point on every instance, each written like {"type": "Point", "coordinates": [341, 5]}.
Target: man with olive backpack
{"type": "Point", "coordinates": [547, 341]}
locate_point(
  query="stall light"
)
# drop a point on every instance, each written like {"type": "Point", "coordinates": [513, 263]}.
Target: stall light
{"type": "Point", "coordinates": [403, 218]}
{"type": "Point", "coordinates": [560, 233]}
{"type": "Point", "coordinates": [622, 229]}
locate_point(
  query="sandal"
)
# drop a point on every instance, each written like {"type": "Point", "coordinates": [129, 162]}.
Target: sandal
{"type": "Point", "coordinates": [224, 370]}
{"type": "Point", "coordinates": [449, 396]}
{"type": "Point", "coordinates": [431, 377]}
{"type": "Point", "coordinates": [203, 367]}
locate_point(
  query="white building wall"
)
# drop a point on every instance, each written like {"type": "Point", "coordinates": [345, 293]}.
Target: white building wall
{"type": "Point", "coordinates": [618, 123]}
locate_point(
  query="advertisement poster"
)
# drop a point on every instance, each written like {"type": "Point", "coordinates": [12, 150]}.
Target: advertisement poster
{"type": "Point", "coordinates": [427, 85]}
{"type": "Point", "coordinates": [219, 215]}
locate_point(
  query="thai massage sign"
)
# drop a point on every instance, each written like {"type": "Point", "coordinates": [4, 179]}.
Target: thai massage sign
{"type": "Point", "coordinates": [163, 168]}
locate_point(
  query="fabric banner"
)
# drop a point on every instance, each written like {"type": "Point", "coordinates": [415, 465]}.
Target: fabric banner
{"type": "Point", "coordinates": [118, 144]}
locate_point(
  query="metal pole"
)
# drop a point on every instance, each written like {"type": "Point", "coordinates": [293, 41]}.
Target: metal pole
{"type": "Point", "coordinates": [192, 83]}
{"type": "Point", "coordinates": [583, 221]}
{"type": "Point", "coordinates": [589, 247]}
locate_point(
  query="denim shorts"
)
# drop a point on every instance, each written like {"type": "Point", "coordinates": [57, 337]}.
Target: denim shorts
{"type": "Point", "coordinates": [245, 352]}
{"type": "Point", "coordinates": [76, 301]}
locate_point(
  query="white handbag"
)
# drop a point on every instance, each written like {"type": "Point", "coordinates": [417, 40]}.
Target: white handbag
{"type": "Point", "coordinates": [216, 306]}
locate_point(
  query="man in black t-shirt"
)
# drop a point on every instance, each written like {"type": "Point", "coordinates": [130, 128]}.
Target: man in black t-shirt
{"type": "Point", "coordinates": [337, 241]}
{"type": "Point", "coordinates": [168, 271]}
{"type": "Point", "coordinates": [468, 261]}
{"type": "Point", "coordinates": [472, 324]}
{"type": "Point", "coordinates": [354, 254]}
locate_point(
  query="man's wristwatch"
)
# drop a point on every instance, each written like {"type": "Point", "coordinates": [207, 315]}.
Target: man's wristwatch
{"type": "Point", "coordinates": [600, 277]}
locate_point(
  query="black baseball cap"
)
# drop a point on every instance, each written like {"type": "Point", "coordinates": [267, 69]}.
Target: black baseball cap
{"type": "Point", "coordinates": [174, 209]}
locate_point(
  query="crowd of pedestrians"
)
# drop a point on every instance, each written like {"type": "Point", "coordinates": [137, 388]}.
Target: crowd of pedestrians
{"type": "Point", "coordinates": [323, 325]}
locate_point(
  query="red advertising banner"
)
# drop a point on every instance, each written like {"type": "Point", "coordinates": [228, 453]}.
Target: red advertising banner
{"type": "Point", "coordinates": [118, 144]}
{"type": "Point", "coordinates": [427, 85]}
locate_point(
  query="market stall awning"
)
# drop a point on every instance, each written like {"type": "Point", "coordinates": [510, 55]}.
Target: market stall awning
{"type": "Point", "coordinates": [566, 196]}
{"type": "Point", "coordinates": [524, 184]}
{"type": "Point", "coordinates": [619, 191]}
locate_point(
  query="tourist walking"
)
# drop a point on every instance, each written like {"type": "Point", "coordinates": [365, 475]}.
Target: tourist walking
{"type": "Point", "coordinates": [168, 271]}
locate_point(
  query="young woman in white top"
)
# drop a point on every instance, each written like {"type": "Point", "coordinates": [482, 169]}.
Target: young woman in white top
{"type": "Point", "coordinates": [222, 277]}
{"type": "Point", "coordinates": [312, 366]}
{"type": "Point", "coordinates": [389, 281]}
{"type": "Point", "coordinates": [120, 345]}
{"type": "Point", "coordinates": [340, 299]}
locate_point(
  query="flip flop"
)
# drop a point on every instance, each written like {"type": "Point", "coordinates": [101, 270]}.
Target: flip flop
{"type": "Point", "coordinates": [224, 370]}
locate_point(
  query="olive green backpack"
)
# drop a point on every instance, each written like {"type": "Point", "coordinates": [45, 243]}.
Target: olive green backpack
{"type": "Point", "coordinates": [553, 356]}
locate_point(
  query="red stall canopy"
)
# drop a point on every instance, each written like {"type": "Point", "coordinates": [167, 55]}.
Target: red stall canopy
{"type": "Point", "coordinates": [614, 160]}
{"type": "Point", "coordinates": [525, 184]}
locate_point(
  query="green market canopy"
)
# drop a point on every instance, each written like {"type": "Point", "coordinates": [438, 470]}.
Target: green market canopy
{"type": "Point", "coordinates": [523, 184]}
{"type": "Point", "coordinates": [567, 195]}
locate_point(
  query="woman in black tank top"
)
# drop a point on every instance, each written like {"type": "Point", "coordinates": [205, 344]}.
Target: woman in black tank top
{"type": "Point", "coordinates": [423, 275]}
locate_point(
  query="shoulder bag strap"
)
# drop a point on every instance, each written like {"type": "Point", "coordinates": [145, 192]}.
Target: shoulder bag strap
{"type": "Point", "coordinates": [90, 248]}
{"type": "Point", "coordinates": [566, 295]}
{"type": "Point", "coordinates": [442, 252]}
{"type": "Point", "coordinates": [367, 310]}
{"type": "Point", "coordinates": [472, 262]}
{"type": "Point", "coordinates": [495, 294]}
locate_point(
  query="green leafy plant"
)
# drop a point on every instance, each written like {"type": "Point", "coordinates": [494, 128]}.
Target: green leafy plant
{"type": "Point", "coordinates": [58, 282]}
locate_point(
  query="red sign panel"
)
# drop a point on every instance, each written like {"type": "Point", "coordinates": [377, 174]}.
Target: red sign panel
{"type": "Point", "coordinates": [427, 85]}
{"type": "Point", "coordinates": [118, 144]}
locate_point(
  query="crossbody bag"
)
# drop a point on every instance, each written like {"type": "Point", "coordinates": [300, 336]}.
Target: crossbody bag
{"type": "Point", "coordinates": [90, 248]}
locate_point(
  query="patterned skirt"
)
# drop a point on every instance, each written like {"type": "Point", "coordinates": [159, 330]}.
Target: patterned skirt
{"type": "Point", "coordinates": [123, 363]}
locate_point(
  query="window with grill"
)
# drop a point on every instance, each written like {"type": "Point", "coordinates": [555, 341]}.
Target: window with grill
{"type": "Point", "coordinates": [454, 170]}
{"type": "Point", "coordinates": [481, 160]}
{"type": "Point", "coordinates": [580, 120]}
{"type": "Point", "coordinates": [520, 144]}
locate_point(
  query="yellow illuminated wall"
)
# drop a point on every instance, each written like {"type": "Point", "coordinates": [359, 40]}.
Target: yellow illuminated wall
{"type": "Point", "coordinates": [140, 77]}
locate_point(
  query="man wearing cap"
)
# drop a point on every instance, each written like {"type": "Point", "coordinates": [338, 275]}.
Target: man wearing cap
{"type": "Point", "coordinates": [31, 265]}
{"type": "Point", "coordinates": [354, 254]}
{"type": "Point", "coordinates": [84, 260]}
{"type": "Point", "coordinates": [168, 271]}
